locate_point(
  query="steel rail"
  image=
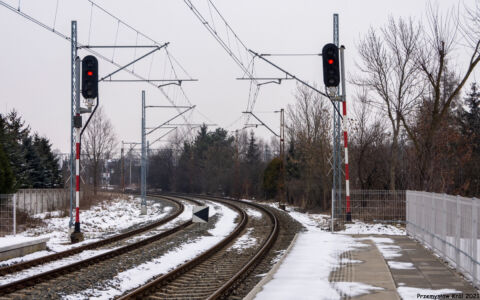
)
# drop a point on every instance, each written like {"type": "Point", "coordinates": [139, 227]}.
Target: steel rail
{"type": "Point", "coordinates": [226, 288]}
{"type": "Point", "coordinates": [237, 279]}
{"type": "Point", "coordinates": [59, 255]}
{"type": "Point", "coordinates": [54, 273]}
{"type": "Point", "coordinates": [151, 287]}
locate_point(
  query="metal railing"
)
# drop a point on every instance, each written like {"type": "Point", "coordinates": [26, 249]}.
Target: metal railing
{"type": "Point", "coordinates": [449, 226]}
{"type": "Point", "coordinates": [7, 214]}
{"type": "Point", "coordinates": [374, 206]}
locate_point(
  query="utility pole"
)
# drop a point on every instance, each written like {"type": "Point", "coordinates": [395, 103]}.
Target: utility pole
{"type": "Point", "coordinates": [74, 93]}
{"type": "Point", "coordinates": [143, 161]}
{"type": "Point", "coordinates": [283, 190]}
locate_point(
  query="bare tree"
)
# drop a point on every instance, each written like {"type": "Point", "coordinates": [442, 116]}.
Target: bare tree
{"type": "Point", "coordinates": [389, 70]}
{"type": "Point", "coordinates": [367, 146]}
{"type": "Point", "coordinates": [309, 127]}
{"type": "Point", "coordinates": [434, 57]}
{"type": "Point", "coordinates": [99, 143]}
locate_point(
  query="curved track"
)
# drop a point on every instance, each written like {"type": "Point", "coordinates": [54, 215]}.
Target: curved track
{"type": "Point", "coordinates": [215, 273]}
{"type": "Point", "coordinates": [45, 276]}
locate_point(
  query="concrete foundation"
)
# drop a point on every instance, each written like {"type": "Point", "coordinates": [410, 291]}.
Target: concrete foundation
{"type": "Point", "coordinates": [76, 237]}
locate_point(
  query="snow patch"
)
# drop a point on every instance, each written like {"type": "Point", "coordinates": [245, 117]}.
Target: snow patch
{"type": "Point", "coordinates": [100, 221]}
{"type": "Point", "coordinates": [354, 289]}
{"type": "Point", "coordinates": [350, 261]}
{"type": "Point", "coordinates": [400, 265]}
{"type": "Point", "coordinates": [244, 242]}
{"type": "Point", "coordinates": [385, 246]}
{"type": "Point", "coordinates": [306, 269]}
{"type": "Point", "coordinates": [142, 273]}
{"type": "Point", "coordinates": [359, 227]}
{"type": "Point", "coordinates": [254, 213]}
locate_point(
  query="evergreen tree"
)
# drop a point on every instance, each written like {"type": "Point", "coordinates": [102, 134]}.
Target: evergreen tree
{"type": "Point", "coordinates": [471, 117]}
{"type": "Point", "coordinates": [470, 127]}
{"type": "Point", "coordinates": [271, 178]}
{"type": "Point", "coordinates": [49, 166]}
{"type": "Point", "coordinates": [15, 133]}
{"type": "Point", "coordinates": [7, 179]}
{"type": "Point", "coordinates": [253, 154]}
{"type": "Point", "coordinates": [34, 178]}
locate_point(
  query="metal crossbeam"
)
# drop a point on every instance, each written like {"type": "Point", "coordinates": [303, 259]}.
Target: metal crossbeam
{"type": "Point", "coordinates": [249, 112]}
{"type": "Point", "coordinates": [297, 79]}
{"type": "Point", "coordinates": [134, 61]}
{"type": "Point", "coordinates": [166, 122]}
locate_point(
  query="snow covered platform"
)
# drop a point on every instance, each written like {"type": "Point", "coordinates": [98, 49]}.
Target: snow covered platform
{"type": "Point", "coordinates": [364, 261]}
{"type": "Point", "coordinates": [16, 246]}
{"type": "Point", "coordinates": [374, 267]}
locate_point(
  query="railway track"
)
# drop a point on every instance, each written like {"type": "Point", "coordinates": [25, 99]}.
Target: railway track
{"type": "Point", "coordinates": [60, 255]}
{"type": "Point", "coordinates": [62, 271]}
{"type": "Point", "coordinates": [217, 272]}
{"type": "Point", "coordinates": [214, 274]}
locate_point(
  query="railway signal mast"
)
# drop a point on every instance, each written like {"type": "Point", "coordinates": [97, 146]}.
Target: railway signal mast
{"type": "Point", "coordinates": [89, 90]}
{"type": "Point", "coordinates": [333, 75]}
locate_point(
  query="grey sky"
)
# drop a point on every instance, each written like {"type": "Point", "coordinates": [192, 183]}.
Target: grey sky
{"type": "Point", "coordinates": [35, 63]}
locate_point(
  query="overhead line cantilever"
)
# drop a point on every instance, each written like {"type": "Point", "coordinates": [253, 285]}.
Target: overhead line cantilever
{"type": "Point", "coordinates": [296, 78]}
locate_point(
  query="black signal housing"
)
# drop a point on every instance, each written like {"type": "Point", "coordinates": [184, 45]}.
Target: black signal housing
{"type": "Point", "coordinates": [90, 77]}
{"type": "Point", "coordinates": [331, 72]}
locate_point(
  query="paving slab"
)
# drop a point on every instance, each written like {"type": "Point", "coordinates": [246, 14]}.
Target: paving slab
{"type": "Point", "coordinates": [428, 271]}
{"type": "Point", "coordinates": [419, 268]}
{"type": "Point", "coordinates": [372, 271]}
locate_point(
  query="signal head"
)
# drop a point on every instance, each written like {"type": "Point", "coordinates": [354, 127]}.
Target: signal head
{"type": "Point", "coordinates": [90, 77]}
{"type": "Point", "coordinates": [331, 72]}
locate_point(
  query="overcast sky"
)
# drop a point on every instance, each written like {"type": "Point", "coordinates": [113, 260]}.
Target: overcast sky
{"type": "Point", "coordinates": [35, 63]}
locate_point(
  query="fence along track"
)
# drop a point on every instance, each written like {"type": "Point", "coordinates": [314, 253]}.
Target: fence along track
{"type": "Point", "coordinates": [42, 277]}
{"type": "Point", "coordinates": [152, 289]}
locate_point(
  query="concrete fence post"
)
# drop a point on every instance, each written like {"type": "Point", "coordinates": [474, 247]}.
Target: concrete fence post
{"type": "Point", "coordinates": [14, 200]}
{"type": "Point", "coordinates": [475, 206]}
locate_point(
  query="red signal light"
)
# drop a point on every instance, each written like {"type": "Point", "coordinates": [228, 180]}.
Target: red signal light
{"type": "Point", "coordinates": [90, 73]}
{"type": "Point", "coordinates": [330, 61]}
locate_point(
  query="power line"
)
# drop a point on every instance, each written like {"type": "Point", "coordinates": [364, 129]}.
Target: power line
{"type": "Point", "coordinates": [236, 55]}
{"type": "Point", "coordinates": [172, 60]}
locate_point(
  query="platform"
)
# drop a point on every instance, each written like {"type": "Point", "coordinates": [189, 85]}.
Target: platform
{"type": "Point", "coordinates": [16, 247]}
{"type": "Point", "coordinates": [373, 267]}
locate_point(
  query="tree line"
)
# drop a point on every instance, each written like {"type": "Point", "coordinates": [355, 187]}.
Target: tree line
{"type": "Point", "coordinates": [26, 159]}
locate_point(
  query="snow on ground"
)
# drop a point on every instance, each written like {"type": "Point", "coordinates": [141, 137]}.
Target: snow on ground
{"type": "Point", "coordinates": [254, 213]}
{"type": "Point", "coordinates": [410, 293]}
{"type": "Point", "coordinates": [244, 242]}
{"type": "Point", "coordinates": [353, 289]}
{"type": "Point", "coordinates": [139, 275]}
{"type": "Point", "coordinates": [345, 261]}
{"type": "Point", "coordinates": [50, 266]}
{"type": "Point", "coordinates": [186, 215]}
{"type": "Point", "coordinates": [385, 246]}
{"type": "Point", "coordinates": [400, 265]}
{"type": "Point", "coordinates": [14, 240]}
{"type": "Point", "coordinates": [304, 272]}
{"type": "Point", "coordinates": [102, 220]}
{"type": "Point", "coordinates": [363, 228]}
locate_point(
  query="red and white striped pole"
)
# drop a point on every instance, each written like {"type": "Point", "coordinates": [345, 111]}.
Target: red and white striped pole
{"type": "Point", "coordinates": [345, 136]}
{"type": "Point", "coordinates": [347, 175]}
{"type": "Point", "coordinates": [77, 178]}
